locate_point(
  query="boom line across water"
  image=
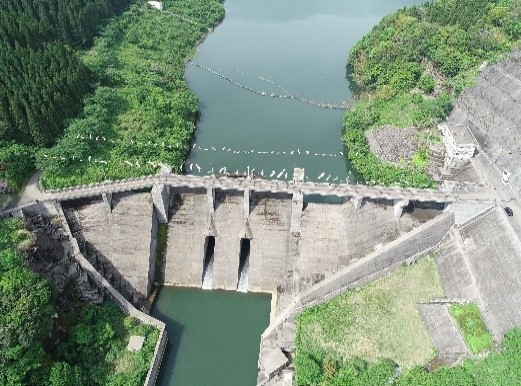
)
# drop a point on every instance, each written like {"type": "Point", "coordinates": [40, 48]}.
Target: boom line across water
{"type": "Point", "coordinates": [326, 105]}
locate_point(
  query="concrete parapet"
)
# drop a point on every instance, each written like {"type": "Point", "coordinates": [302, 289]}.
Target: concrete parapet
{"type": "Point", "coordinates": [262, 185]}
{"type": "Point", "coordinates": [107, 199]}
{"type": "Point", "coordinates": [297, 204]}
{"type": "Point", "coordinates": [398, 208]}
{"type": "Point", "coordinates": [161, 199]}
{"type": "Point", "coordinates": [125, 305]}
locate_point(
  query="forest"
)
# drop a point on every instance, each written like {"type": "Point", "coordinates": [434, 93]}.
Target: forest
{"type": "Point", "coordinates": [71, 70]}
{"type": "Point", "coordinates": [51, 338]}
{"type": "Point", "coordinates": [141, 113]}
{"type": "Point", "coordinates": [42, 79]}
{"type": "Point", "coordinates": [412, 66]}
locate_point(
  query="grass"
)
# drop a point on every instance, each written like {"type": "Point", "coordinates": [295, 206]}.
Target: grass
{"type": "Point", "coordinates": [471, 323]}
{"type": "Point", "coordinates": [378, 320]}
{"type": "Point", "coordinates": [162, 234]}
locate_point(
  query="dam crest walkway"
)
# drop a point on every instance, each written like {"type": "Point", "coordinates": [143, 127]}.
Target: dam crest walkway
{"type": "Point", "coordinates": [244, 183]}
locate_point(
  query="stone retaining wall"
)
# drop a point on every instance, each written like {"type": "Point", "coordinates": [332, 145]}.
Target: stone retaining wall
{"type": "Point", "coordinates": [125, 305]}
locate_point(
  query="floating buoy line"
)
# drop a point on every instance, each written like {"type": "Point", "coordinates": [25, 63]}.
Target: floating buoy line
{"type": "Point", "coordinates": [326, 105]}
{"type": "Point", "coordinates": [208, 170]}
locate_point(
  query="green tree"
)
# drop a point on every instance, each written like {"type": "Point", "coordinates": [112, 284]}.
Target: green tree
{"type": "Point", "coordinates": [16, 163]}
{"type": "Point", "coordinates": [427, 83]}
{"type": "Point", "coordinates": [25, 310]}
{"type": "Point", "coordinates": [63, 374]}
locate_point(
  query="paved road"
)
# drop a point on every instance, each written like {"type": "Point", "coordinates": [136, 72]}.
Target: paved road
{"type": "Point", "coordinates": [227, 183]}
{"type": "Point", "coordinates": [30, 194]}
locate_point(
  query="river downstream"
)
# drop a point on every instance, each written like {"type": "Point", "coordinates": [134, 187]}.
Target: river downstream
{"type": "Point", "coordinates": [245, 74]}
{"type": "Point", "coordinates": [213, 336]}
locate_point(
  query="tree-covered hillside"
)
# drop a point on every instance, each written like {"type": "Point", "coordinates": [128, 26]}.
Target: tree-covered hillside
{"type": "Point", "coordinates": [412, 65]}
{"type": "Point", "coordinates": [42, 79]}
{"type": "Point", "coordinates": [141, 113]}
{"type": "Point", "coordinates": [51, 338]}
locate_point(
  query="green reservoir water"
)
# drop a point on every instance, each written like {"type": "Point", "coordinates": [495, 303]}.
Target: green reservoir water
{"type": "Point", "coordinates": [214, 336]}
{"type": "Point", "coordinates": [290, 47]}
{"type": "Point", "coordinates": [299, 48]}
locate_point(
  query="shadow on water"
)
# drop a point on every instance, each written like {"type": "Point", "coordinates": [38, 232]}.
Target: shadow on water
{"type": "Point", "coordinates": [175, 332]}
{"type": "Point", "coordinates": [353, 86]}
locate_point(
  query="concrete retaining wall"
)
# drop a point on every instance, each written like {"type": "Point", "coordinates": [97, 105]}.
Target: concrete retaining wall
{"type": "Point", "coordinates": [125, 305]}
{"type": "Point", "coordinates": [408, 248]}
{"type": "Point", "coordinates": [119, 242]}
{"type": "Point", "coordinates": [46, 209]}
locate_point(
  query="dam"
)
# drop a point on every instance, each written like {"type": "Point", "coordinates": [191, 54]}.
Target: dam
{"type": "Point", "coordinates": [254, 235]}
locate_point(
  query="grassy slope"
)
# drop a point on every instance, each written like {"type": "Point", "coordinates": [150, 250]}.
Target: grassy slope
{"type": "Point", "coordinates": [378, 320]}
{"type": "Point", "coordinates": [141, 100]}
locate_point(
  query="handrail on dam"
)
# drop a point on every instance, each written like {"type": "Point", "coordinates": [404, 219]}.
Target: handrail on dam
{"type": "Point", "coordinates": [261, 185]}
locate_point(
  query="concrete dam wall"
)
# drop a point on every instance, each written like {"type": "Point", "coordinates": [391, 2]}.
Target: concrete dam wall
{"type": "Point", "coordinates": [287, 252]}
{"type": "Point", "coordinates": [120, 240]}
{"type": "Point", "coordinates": [233, 239]}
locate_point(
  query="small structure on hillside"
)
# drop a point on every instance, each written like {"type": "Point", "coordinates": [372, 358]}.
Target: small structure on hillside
{"type": "Point", "coordinates": [135, 343]}
{"type": "Point", "coordinates": [457, 155]}
{"type": "Point", "coordinates": [156, 4]}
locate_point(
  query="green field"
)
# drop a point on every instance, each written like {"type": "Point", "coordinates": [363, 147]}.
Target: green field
{"type": "Point", "coordinates": [378, 320]}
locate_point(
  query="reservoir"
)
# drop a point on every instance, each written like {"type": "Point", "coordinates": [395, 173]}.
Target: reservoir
{"type": "Point", "coordinates": [291, 48]}
{"type": "Point", "coordinates": [294, 48]}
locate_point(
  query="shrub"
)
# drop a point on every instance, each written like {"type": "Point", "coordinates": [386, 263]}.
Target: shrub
{"type": "Point", "coordinates": [427, 83]}
{"type": "Point", "coordinates": [308, 371]}
{"type": "Point", "coordinates": [473, 327]}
